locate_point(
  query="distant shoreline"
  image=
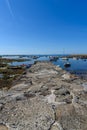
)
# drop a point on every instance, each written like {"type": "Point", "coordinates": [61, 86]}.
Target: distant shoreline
{"type": "Point", "coordinates": [41, 54]}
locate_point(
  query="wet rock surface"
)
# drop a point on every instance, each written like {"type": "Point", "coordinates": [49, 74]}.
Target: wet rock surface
{"type": "Point", "coordinates": [45, 98]}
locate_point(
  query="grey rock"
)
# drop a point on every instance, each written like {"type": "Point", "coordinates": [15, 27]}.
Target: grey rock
{"type": "Point", "coordinates": [1, 106]}
{"type": "Point", "coordinates": [29, 94]}
{"type": "Point", "coordinates": [62, 91]}
{"type": "Point", "coordinates": [71, 117]}
{"type": "Point", "coordinates": [28, 114]}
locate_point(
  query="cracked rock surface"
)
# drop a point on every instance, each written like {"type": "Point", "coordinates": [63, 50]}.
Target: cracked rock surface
{"type": "Point", "coordinates": [45, 98]}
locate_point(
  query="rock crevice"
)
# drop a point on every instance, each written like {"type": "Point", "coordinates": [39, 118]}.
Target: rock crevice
{"type": "Point", "coordinates": [44, 98]}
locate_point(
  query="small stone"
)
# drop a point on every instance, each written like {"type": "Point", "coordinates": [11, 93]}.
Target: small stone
{"type": "Point", "coordinates": [62, 91]}
{"type": "Point", "coordinates": [56, 126]}
{"type": "Point", "coordinates": [18, 98]}
{"type": "Point", "coordinates": [29, 94]}
{"type": "Point", "coordinates": [1, 106]}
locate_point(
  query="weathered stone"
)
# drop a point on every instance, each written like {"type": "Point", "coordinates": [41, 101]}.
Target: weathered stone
{"type": "Point", "coordinates": [16, 97]}
{"type": "Point", "coordinates": [66, 76]}
{"type": "Point", "coordinates": [85, 87]}
{"type": "Point", "coordinates": [1, 106]}
{"type": "Point", "coordinates": [19, 98]}
{"type": "Point", "coordinates": [71, 117]}
{"type": "Point", "coordinates": [56, 126]}
{"type": "Point", "coordinates": [29, 94]}
{"type": "Point", "coordinates": [62, 91]}
{"type": "Point", "coordinates": [50, 103]}
{"type": "Point", "coordinates": [3, 127]}
{"type": "Point", "coordinates": [32, 114]}
{"type": "Point", "coordinates": [45, 93]}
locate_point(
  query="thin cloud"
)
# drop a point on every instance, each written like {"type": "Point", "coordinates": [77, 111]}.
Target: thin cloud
{"type": "Point", "coordinates": [9, 7]}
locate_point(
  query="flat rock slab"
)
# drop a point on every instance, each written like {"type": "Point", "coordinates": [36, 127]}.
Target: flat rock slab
{"type": "Point", "coordinates": [72, 117]}
{"type": "Point", "coordinates": [31, 114]}
{"type": "Point", "coordinates": [55, 128]}
{"type": "Point", "coordinates": [3, 127]}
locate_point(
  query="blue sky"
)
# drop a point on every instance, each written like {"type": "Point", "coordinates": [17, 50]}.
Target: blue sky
{"type": "Point", "coordinates": [43, 26]}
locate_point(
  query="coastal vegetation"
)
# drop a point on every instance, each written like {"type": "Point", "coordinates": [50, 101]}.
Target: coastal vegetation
{"type": "Point", "coordinates": [7, 60]}
{"type": "Point", "coordinates": [9, 73]}
{"type": "Point", "coordinates": [8, 76]}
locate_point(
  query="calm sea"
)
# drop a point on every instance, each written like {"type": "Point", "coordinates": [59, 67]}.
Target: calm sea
{"type": "Point", "coordinates": [78, 67]}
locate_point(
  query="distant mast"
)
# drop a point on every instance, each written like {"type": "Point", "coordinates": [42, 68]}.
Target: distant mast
{"type": "Point", "coordinates": [63, 51]}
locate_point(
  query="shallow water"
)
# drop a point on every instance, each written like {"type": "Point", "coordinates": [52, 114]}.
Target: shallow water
{"type": "Point", "coordinates": [21, 63]}
{"type": "Point", "coordinates": [75, 64]}
{"type": "Point", "coordinates": [78, 67]}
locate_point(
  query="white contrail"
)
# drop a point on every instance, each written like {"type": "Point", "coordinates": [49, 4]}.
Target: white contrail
{"type": "Point", "coordinates": [9, 7]}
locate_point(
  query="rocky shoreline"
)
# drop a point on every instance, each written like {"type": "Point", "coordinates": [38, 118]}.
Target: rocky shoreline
{"type": "Point", "coordinates": [78, 56]}
{"type": "Point", "coordinates": [45, 98]}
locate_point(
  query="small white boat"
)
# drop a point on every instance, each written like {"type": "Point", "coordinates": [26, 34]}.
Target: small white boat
{"type": "Point", "coordinates": [53, 58]}
{"type": "Point", "coordinates": [64, 58]}
{"type": "Point", "coordinates": [75, 58]}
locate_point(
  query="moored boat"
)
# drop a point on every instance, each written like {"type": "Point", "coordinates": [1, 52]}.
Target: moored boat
{"type": "Point", "coordinates": [67, 64]}
{"type": "Point", "coordinates": [64, 58]}
{"type": "Point", "coordinates": [53, 58]}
